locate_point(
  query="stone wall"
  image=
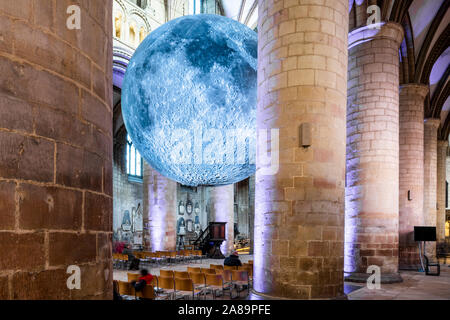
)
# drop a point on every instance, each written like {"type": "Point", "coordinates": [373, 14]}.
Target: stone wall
{"type": "Point", "coordinates": [242, 214]}
{"type": "Point", "coordinates": [442, 149]}
{"type": "Point", "coordinates": [197, 197]}
{"type": "Point", "coordinates": [411, 161]}
{"type": "Point", "coordinates": [127, 197]}
{"type": "Point", "coordinates": [56, 142]}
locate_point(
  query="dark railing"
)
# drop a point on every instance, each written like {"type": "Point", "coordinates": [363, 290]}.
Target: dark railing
{"type": "Point", "coordinates": [202, 237]}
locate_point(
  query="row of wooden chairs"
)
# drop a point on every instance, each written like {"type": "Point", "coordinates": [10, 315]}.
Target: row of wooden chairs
{"type": "Point", "coordinates": [180, 284]}
{"type": "Point", "coordinates": [159, 257]}
{"type": "Point", "coordinates": [170, 257]}
{"type": "Point", "coordinates": [120, 260]}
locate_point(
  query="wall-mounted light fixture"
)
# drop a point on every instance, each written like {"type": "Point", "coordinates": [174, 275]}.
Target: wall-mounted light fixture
{"type": "Point", "coordinates": [305, 135]}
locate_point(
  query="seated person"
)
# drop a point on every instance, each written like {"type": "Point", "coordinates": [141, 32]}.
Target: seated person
{"type": "Point", "coordinates": [145, 279]}
{"type": "Point", "coordinates": [233, 260]}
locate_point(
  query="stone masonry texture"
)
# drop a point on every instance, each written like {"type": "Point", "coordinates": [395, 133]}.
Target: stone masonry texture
{"type": "Point", "coordinates": [56, 149]}
{"type": "Point", "coordinates": [430, 178]}
{"type": "Point", "coordinates": [442, 147]}
{"type": "Point", "coordinates": [372, 190]}
{"type": "Point", "coordinates": [412, 98]}
{"type": "Point", "coordinates": [299, 210]}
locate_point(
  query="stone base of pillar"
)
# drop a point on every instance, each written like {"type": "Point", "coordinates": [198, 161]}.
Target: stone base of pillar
{"type": "Point", "coordinates": [386, 278]}
{"type": "Point", "coordinates": [254, 295]}
{"type": "Point", "coordinates": [409, 258]}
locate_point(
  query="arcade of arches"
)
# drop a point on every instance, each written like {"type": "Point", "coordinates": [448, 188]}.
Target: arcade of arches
{"type": "Point", "coordinates": [376, 100]}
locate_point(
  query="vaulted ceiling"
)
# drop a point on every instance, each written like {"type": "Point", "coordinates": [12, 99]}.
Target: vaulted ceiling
{"type": "Point", "coordinates": [424, 54]}
{"type": "Point", "coordinates": [244, 11]}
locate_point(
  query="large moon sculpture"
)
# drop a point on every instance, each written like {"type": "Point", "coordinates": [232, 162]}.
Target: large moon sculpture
{"type": "Point", "coordinates": [189, 100]}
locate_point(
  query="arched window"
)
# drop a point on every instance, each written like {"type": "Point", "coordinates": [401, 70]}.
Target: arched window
{"type": "Point", "coordinates": [118, 19]}
{"type": "Point", "coordinates": [134, 161]}
{"type": "Point", "coordinates": [132, 35]}
{"type": "Point", "coordinates": [142, 34]}
{"type": "Point", "coordinates": [140, 3]}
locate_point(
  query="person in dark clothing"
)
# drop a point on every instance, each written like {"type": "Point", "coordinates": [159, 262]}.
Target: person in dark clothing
{"type": "Point", "coordinates": [134, 262]}
{"type": "Point", "coordinates": [144, 280]}
{"type": "Point", "coordinates": [233, 260]}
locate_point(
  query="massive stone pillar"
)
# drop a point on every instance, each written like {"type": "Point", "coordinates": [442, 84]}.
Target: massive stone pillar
{"type": "Point", "coordinates": [412, 97]}
{"type": "Point", "coordinates": [430, 178]}
{"type": "Point", "coordinates": [251, 208]}
{"type": "Point", "coordinates": [222, 210]}
{"type": "Point", "coordinates": [442, 146]}
{"type": "Point", "coordinates": [372, 191]}
{"type": "Point", "coordinates": [159, 211]}
{"type": "Point", "coordinates": [56, 150]}
{"type": "Point", "coordinates": [299, 213]}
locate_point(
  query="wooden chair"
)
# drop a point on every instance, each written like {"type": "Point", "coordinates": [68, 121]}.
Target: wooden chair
{"type": "Point", "coordinates": [197, 255]}
{"type": "Point", "coordinates": [160, 257]}
{"type": "Point", "coordinates": [208, 271]}
{"type": "Point", "coordinates": [125, 288]}
{"type": "Point", "coordinates": [249, 270]}
{"type": "Point", "coordinates": [174, 257]}
{"type": "Point", "coordinates": [230, 267]}
{"type": "Point", "coordinates": [123, 261]}
{"type": "Point", "coordinates": [185, 287]}
{"type": "Point", "coordinates": [228, 280]}
{"type": "Point", "coordinates": [166, 273]}
{"type": "Point", "coordinates": [181, 275]}
{"type": "Point", "coordinates": [146, 258]}
{"type": "Point", "coordinates": [187, 255]}
{"type": "Point", "coordinates": [216, 266]}
{"type": "Point", "coordinates": [199, 281]}
{"type": "Point", "coordinates": [194, 269]}
{"type": "Point", "coordinates": [168, 286]}
{"type": "Point", "coordinates": [148, 292]}
{"type": "Point", "coordinates": [214, 283]}
{"type": "Point", "coordinates": [133, 277]}
{"type": "Point", "coordinates": [240, 278]}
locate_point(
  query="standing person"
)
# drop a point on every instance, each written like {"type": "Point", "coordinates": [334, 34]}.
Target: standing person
{"type": "Point", "coordinates": [233, 260]}
{"type": "Point", "coordinates": [134, 262]}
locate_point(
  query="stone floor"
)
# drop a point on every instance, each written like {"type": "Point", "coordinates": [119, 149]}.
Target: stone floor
{"type": "Point", "coordinates": [415, 286]}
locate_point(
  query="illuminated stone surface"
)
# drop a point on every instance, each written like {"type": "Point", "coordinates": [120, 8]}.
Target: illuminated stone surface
{"type": "Point", "coordinates": [189, 100]}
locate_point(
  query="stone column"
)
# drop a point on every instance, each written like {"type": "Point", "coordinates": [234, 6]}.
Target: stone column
{"type": "Point", "coordinates": [159, 211]}
{"type": "Point", "coordinates": [222, 210]}
{"type": "Point", "coordinates": [442, 147]}
{"type": "Point", "coordinates": [299, 202]}
{"type": "Point", "coordinates": [56, 150]}
{"type": "Point", "coordinates": [372, 192]}
{"type": "Point", "coordinates": [430, 178]}
{"type": "Point", "coordinates": [251, 208]}
{"type": "Point", "coordinates": [412, 97]}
